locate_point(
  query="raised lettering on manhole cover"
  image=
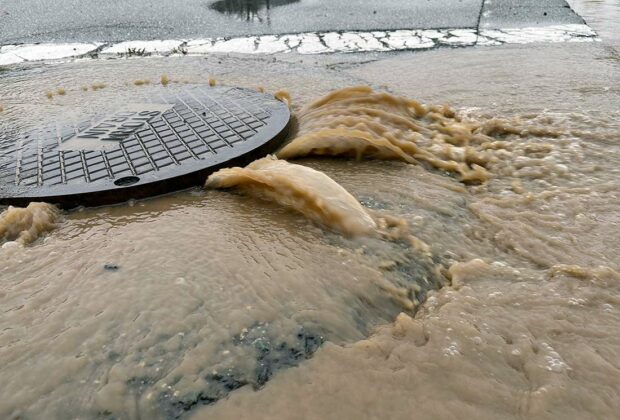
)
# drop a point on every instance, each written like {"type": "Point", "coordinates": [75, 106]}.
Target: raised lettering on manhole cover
{"type": "Point", "coordinates": [143, 149]}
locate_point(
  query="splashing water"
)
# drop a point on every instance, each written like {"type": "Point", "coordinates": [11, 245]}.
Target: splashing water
{"type": "Point", "coordinates": [25, 225]}
{"type": "Point", "coordinates": [358, 121]}
{"type": "Point", "coordinates": [316, 196]}
{"type": "Point", "coordinates": [308, 191]}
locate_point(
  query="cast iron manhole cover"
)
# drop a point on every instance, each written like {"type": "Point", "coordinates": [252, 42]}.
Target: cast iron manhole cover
{"type": "Point", "coordinates": [171, 142]}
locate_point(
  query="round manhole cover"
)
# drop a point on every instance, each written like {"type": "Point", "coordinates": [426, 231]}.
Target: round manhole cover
{"type": "Point", "coordinates": [170, 142]}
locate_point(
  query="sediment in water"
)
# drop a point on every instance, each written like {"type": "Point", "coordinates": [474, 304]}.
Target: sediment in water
{"type": "Point", "coordinates": [228, 305]}
{"type": "Point", "coordinates": [25, 225]}
{"type": "Point", "coordinates": [304, 189]}
{"type": "Point", "coordinates": [360, 122]}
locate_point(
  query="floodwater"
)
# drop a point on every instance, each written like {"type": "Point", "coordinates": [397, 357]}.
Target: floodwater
{"type": "Point", "coordinates": [399, 258]}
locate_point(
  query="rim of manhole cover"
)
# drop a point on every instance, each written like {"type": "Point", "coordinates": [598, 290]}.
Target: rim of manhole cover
{"type": "Point", "coordinates": [172, 142]}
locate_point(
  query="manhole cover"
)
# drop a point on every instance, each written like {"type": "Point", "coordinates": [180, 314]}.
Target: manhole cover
{"type": "Point", "coordinates": [171, 142]}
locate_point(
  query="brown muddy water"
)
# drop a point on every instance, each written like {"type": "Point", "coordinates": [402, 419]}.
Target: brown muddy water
{"type": "Point", "coordinates": [399, 258]}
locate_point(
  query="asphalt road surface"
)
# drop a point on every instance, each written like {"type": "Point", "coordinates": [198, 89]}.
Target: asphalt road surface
{"type": "Point", "coordinates": [31, 21]}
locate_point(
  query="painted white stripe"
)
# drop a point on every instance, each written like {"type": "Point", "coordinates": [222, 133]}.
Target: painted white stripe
{"type": "Point", "coordinates": [11, 54]}
{"type": "Point", "coordinates": [310, 44]}
{"type": "Point", "coordinates": [150, 47]}
{"type": "Point", "coordinates": [306, 43]}
{"type": "Point", "coordinates": [564, 33]}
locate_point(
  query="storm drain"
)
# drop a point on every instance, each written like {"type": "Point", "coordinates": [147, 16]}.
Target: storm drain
{"type": "Point", "coordinates": [171, 143]}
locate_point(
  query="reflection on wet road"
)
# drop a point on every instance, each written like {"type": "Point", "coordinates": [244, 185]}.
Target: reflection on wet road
{"type": "Point", "coordinates": [249, 10]}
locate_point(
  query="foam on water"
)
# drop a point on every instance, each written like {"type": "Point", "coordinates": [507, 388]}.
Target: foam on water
{"type": "Point", "coordinates": [25, 225]}
{"type": "Point", "coordinates": [306, 190]}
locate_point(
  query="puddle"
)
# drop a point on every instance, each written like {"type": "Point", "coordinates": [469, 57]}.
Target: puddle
{"type": "Point", "coordinates": [249, 10]}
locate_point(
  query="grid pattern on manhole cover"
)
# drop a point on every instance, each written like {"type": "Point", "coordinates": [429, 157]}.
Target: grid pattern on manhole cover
{"type": "Point", "coordinates": [195, 124]}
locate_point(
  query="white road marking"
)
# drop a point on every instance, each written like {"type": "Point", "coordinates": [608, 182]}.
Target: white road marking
{"type": "Point", "coordinates": [305, 43]}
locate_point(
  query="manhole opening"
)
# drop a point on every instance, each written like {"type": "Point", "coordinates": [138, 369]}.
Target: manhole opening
{"type": "Point", "coordinates": [126, 181]}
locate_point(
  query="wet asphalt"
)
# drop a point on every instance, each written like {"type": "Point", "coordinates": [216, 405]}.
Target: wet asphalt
{"type": "Point", "coordinates": [32, 21]}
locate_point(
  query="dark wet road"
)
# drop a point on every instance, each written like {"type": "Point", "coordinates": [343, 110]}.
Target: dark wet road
{"type": "Point", "coordinates": [27, 21]}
